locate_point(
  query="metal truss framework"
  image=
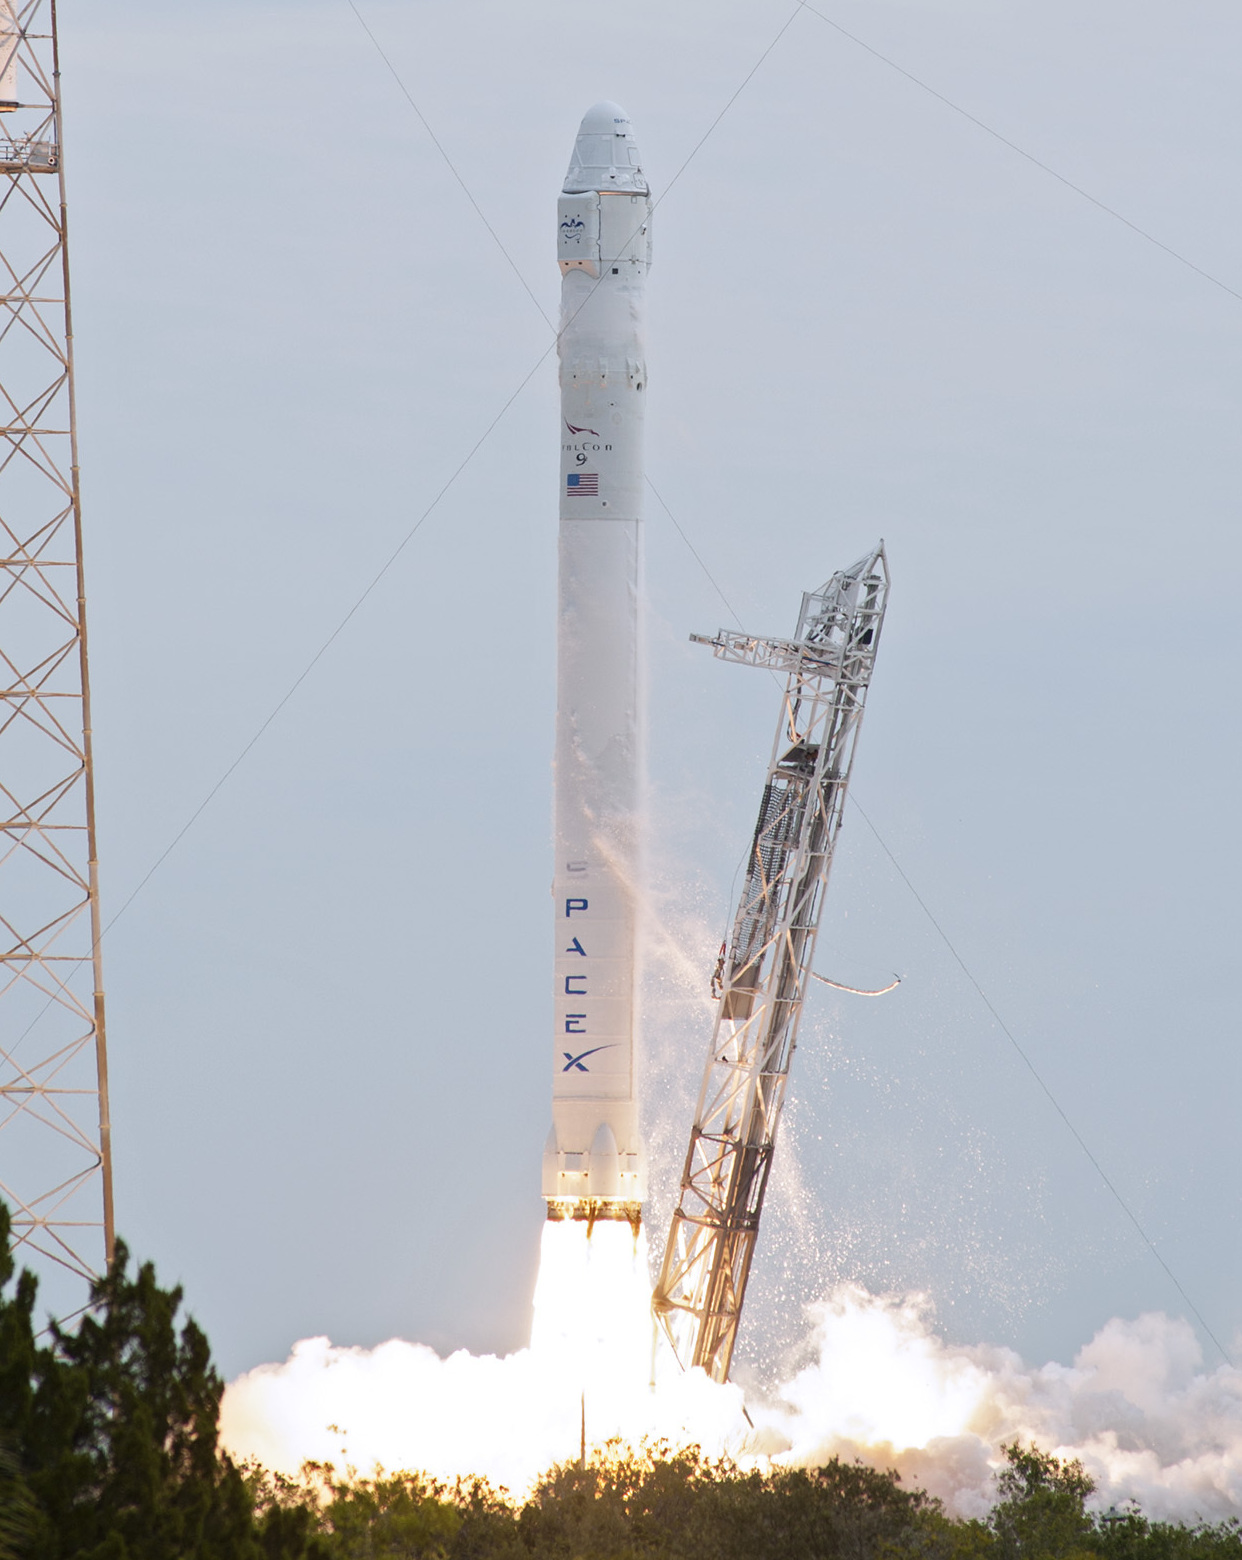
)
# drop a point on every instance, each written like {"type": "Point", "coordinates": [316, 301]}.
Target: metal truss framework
{"type": "Point", "coordinates": [763, 979]}
{"type": "Point", "coordinates": [55, 1157]}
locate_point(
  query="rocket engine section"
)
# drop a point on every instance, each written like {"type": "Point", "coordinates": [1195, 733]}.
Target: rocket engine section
{"type": "Point", "coordinates": [593, 1166]}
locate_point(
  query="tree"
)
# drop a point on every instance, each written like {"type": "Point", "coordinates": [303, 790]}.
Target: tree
{"type": "Point", "coordinates": [1129, 1535]}
{"type": "Point", "coordinates": [643, 1506]}
{"type": "Point", "coordinates": [114, 1429]}
{"type": "Point", "coordinates": [1042, 1513]}
{"type": "Point", "coordinates": [16, 1508]}
{"type": "Point", "coordinates": [841, 1511]}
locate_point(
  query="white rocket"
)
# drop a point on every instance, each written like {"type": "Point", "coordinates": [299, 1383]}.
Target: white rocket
{"type": "Point", "coordinates": [593, 1164]}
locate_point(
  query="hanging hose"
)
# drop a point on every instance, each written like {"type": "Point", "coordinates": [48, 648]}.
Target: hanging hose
{"type": "Point", "coordinates": [856, 991]}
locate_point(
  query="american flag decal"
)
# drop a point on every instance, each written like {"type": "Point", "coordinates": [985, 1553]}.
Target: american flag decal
{"type": "Point", "coordinates": [582, 484]}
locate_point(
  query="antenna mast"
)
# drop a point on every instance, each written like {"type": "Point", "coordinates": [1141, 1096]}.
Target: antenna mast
{"type": "Point", "coordinates": [55, 1148]}
{"type": "Point", "coordinates": [764, 973]}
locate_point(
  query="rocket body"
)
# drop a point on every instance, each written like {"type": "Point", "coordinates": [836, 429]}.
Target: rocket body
{"type": "Point", "coordinates": [593, 1163]}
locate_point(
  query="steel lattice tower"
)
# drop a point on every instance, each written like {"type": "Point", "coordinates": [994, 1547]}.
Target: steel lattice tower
{"type": "Point", "coordinates": [55, 1155]}
{"type": "Point", "coordinates": [764, 972]}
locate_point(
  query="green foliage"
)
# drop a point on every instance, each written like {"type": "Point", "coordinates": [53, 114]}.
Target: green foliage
{"type": "Point", "coordinates": [404, 1515]}
{"type": "Point", "coordinates": [113, 1433]}
{"type": "Point", "coordinates": [17, 1509]}
{"type": "Point", "coordinates": [1042, 1513]}
{"type": "Point", "coordinates": [407, 1514]}
{"type": "Point", "coordinates": [621, 1504]}
{"type": "Point", "coordinates": [391, 1516]}
{"type": "Point", "coordinates": [843, 1511]}
{"type": "Point", "coordinates": [1128, 1535]}
{"type": "Point", "coordinates": [937, 1537]}
{"type": "Point", "coordinates": [662, 1504]}
{"type": "Point", "coordinates": [678, 1504]}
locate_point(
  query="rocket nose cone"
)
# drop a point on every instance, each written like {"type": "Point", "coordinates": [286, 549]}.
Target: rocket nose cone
{"type": "Point", "coordinates": [606, 155]}
{"type": "Point", "coordinates": [605, 119]}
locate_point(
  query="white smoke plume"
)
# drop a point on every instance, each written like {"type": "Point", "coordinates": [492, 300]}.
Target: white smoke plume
{"type": "Point", "coordinates": [1137, 1406]}
{"type": "Point", "coordinates": [1149, 1423]}
{"type": "Point", "coordinates": [591, 1360]}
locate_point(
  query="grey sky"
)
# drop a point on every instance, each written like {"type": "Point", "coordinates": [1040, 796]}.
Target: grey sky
{"type": "Point", "coordinates": [328, 1007]}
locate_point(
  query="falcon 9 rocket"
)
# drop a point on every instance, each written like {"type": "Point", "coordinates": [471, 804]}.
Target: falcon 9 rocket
{"type": "Point", "coordinates": [593, 1164]}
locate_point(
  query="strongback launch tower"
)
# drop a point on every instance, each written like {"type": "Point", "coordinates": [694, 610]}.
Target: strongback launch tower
{"type": "Point", "coordinates": [55, 1152]}
{"type": "Point", "coordinates": [764, 970]}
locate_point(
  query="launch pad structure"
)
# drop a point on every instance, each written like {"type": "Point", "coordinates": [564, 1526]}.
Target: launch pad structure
{"type": "Point", "coordinates": [765, 969]}
{"type": "Point", "coordinates": [55, 1142]}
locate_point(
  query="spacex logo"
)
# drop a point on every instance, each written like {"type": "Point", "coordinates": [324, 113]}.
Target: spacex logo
{"type": "Point", "coordinates": [577, 431]}
{"type": "Point", "coordinates": [572, 1062]}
